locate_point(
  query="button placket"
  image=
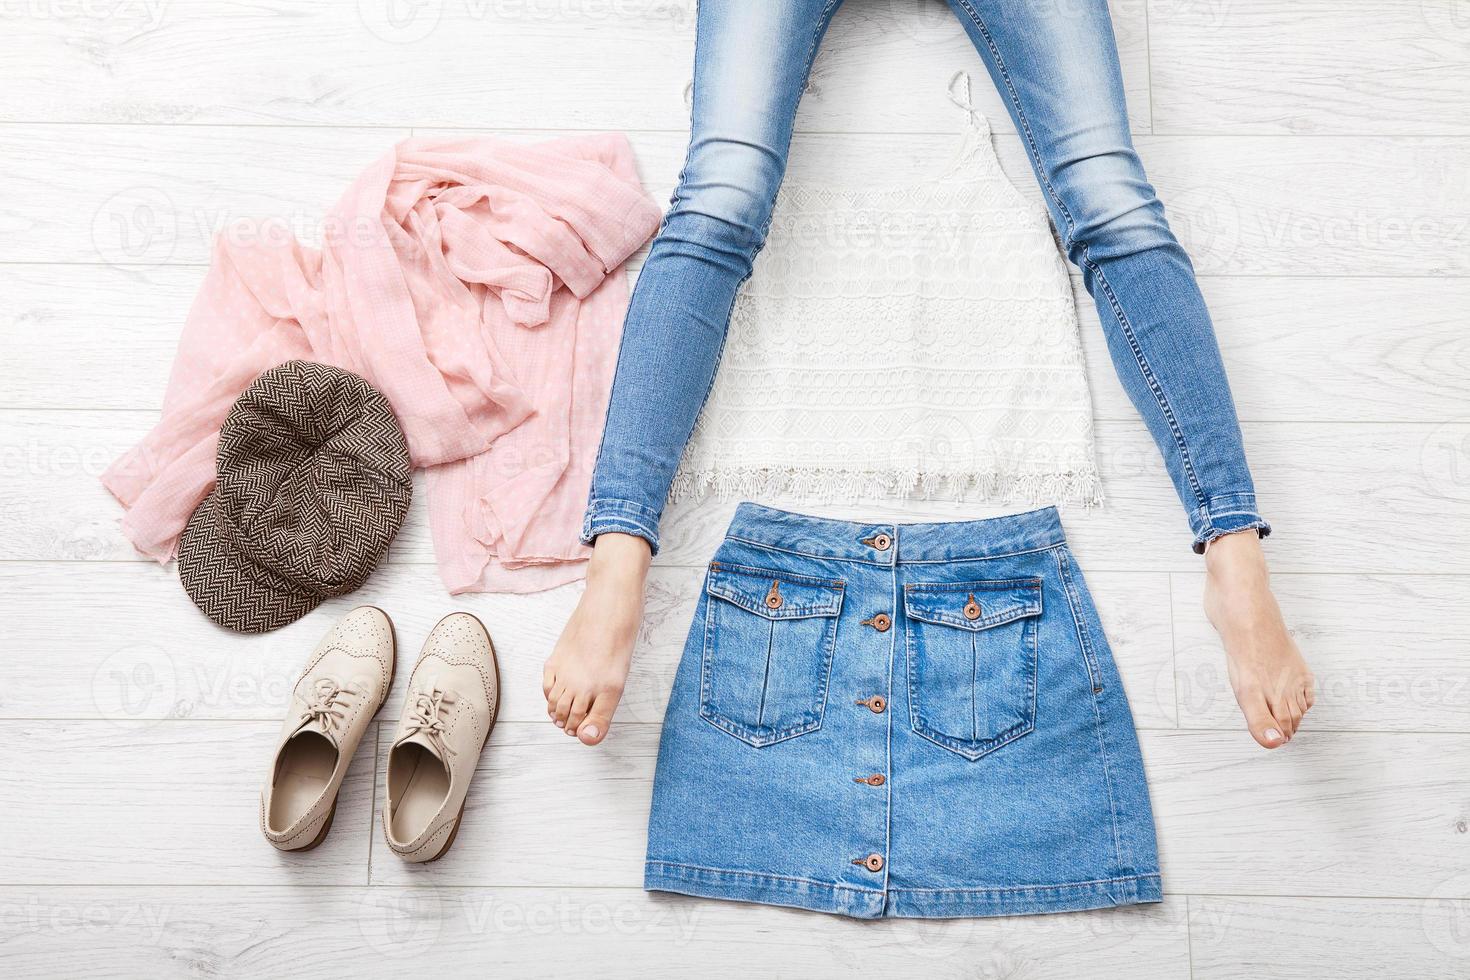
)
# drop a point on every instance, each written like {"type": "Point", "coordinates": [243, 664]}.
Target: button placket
{"type": "Point", "coordinates": [884, 551]}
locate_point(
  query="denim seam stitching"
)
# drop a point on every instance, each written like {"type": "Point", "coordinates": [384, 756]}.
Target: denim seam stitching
{"type": "Point", "coordinates": [755, 571]}
{"type": "Point", "coordinates": [761, 875]}
{"type": "Point", "coordinates": [818, 30]}
{"type": "Point", "coordinates": [1027, 888]}
{"type": "Point", "coordinates": [884, 564]}
{"type": "Point", "coordinates": [616, 517]}
{"type": "Point", "coordinates": [1056, 198]}
{"type": "Point", "coordinates": [1064, 567]}
{"type": "Point", "coordinates": [995, 584]}
{"type": "Point", "coordinates": [1210, 518]}
{"type": "Point", "coordinates": [1155, 386]}
{"type": "Point", "coordinates": [1230, 497]}
{"type": "Point", "coordinates": [1009, 554]}
{"type": "Point", "coordinates": [1015, 101]}
{"type": "Point", "coordinates": [888, 730]}
{"type": "Point", "coordinates": [766, 876]}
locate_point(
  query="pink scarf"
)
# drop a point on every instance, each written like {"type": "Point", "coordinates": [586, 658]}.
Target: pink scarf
{"type": "Point", "coordinates": [473, 283]}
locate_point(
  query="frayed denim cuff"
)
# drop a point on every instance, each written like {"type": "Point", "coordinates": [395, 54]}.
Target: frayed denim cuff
{"type": "Point", "coordinates": [622, 516]}
{"type": "Point", "coordinates": [1226, 514]}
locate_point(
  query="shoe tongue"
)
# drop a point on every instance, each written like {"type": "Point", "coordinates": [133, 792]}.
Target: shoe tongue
{"type": "Point", "coordinates": [422, 738]}
{"type": "Point", "coordinates": [317, 726]}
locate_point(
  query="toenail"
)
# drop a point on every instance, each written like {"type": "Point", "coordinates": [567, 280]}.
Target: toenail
{"type": "Point", "coordinates": [590, 731]}
{"type": "Point", "coordinates": [1271, 734]}
{"type": "Point", "coordinates": [561, 724]}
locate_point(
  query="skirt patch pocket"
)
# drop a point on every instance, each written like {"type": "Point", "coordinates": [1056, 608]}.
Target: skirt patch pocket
{"type": "Point", "coordinates": [972, 662]}
{"type": "Point", "coordinates": [768, 644]}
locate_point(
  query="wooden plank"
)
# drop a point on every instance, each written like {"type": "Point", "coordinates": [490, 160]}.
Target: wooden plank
{"type": "Point", "coordinates": [1231, 817]}
{"type": "Point", "coordinates": [540, 932]}
{"type": "Point", "coordinates": [1387, 652]}
{"type": "Point", "coordinates": [141, 195]}
{"type": "Point", "coordinates": [92, 336]}
{"type": "Point", "coordinates": [1377, 350]}
{"type": "Point", "coordinates": [1326, 487]}
{"type": "Point", "coordinates": [136, 650]}
{"type": "Point", "coordinates": [1334, 813]}
{"type": "Point", "coordinates": [1328, 206]}
{"type": "Point", "coordinates": [595, 65]}
{"type": "Point", "coordinates": [590, 807]}
{"type": "Point", "coordinates": [1310, 66]}
{"type": "Point", "coordinates": [176, 803]}
{"type": "Point", "coordinates": [1345, 938]}
{"type": "Point", "coordinates": [1323, 349]}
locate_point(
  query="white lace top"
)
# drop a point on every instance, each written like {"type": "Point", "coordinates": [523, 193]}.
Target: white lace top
{"type": "Point", "coordinates": [914, 341]}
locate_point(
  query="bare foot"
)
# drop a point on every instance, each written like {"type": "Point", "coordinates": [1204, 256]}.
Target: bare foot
{"type": "Point", "coordinates": [1272, 684]}
{"type": "Point", "coordinates": [584, 676]}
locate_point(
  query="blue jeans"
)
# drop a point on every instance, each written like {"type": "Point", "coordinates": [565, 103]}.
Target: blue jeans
{"type": "Point", "coordinates": [1056, 65]}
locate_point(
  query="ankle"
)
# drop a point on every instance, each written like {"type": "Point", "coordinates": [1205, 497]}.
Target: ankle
{"type": "Point", "coordinates": [1236, 562]}
{"type": "Point", "coordinates": [619, 562]}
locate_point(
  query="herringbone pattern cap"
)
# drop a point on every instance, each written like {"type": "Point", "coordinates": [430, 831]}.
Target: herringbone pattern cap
{"type": "Point", "coordinates": [313, 484]}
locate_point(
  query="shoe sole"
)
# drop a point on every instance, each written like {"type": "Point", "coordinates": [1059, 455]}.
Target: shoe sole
{"type": "Point", "coordinates": [321, 835]}
{"type": "Point", "coordinates": [494, 715]}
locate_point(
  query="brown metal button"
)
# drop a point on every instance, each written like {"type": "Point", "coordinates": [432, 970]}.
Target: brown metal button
{"type": "Point", "coordinates": [773, 597]}
{"type": "Point", "coordinates": [876, 704]}
{"type": "Point", "coordinates": [882, 542]}
{"type": "Point", "coordinates": [877, 779]}
{"type": "Point", "coordinates": [972, 608]}
{"type": "Point", "coordinates": [880, 622]}
{"type": "Point", "coordinates": [873, 862]}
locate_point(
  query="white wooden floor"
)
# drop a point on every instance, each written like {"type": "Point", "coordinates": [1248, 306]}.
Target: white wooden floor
{"type": "Point", "coordinates": [1315, 155]}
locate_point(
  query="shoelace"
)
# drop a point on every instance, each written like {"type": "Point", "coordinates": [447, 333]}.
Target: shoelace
{"type": "Point", "coordinates": [425, 718]}
{"type": "Point", "coordinates": [326, 705]}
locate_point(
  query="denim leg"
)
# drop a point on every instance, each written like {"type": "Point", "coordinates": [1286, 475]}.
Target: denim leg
{"type": "Point", "coordinates": [1056, 66]}
{"type": "Point", "coordinates": [751, 63]}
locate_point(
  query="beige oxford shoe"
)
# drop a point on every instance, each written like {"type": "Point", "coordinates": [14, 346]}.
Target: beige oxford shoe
{"type": "Point", "coordinates": [344, 684]}
{"type": "Point", "coordinates": [447, 715]}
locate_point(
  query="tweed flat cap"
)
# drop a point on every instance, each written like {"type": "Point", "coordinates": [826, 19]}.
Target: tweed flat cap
{"type": "Point", "coordinates": [313, 483]}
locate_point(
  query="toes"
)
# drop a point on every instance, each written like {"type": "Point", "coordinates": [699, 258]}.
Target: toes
{"type": "Point", "coordinates": [552, 697]}
{"type": "Point", "coordinates": [580, 704]}
{"type": "Point", "coordinates": [1281, 710]}
{"type": "Point", "coordinates": [1264, 727]}
{"type": "Point", "coordinates": [548, 680]}
{"type": "Point", "coordinates": [1288, 720]}
{"type": "Point", "coordinates": [599, 718]}
{"type": "Point", "coordinates": [1301, 703]}
{"type": "Point", "coordinates": [1286, 717]}
{"type": "Point", "coordinates": [563, 709]}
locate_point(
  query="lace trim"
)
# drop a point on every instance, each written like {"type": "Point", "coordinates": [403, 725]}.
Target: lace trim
{"type": "Point", "coordinates": [724, 482]}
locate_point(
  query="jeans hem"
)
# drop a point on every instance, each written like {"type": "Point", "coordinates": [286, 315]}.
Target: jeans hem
{"type": "Point", "coordinates": [923, 903]}
{"type": "Point", "coordinates": [1226, 514]}
{"type": "Point", "coordinates": [607, 515]}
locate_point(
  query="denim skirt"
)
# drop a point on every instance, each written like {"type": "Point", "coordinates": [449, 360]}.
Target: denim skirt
{"type": "Point", "coordinates": [900, 720]}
